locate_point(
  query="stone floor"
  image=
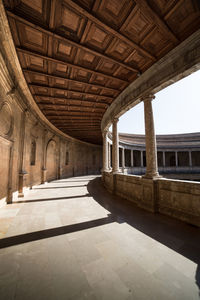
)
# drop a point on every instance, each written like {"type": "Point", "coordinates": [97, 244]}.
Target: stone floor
{"type": "Point", "coordinates": [70, 239]}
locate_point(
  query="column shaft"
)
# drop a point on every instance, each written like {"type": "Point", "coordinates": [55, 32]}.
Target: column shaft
{"type": "Point", "coordinates": [164, 159]}
{"type": "Point", "coordinates": [190, 158]}
{"type": "Point", "coordinates": [115, 148]}
{"type": "Point", "coordinates": [109, 164]}
{"type": "Point", "coordinates": [141, 159]}
{"type": "Point", "coordinates": [176, 158]}
{"type": "Point", "coordinates": [132, 158]}
{"type": "Point", "coordinates": [105, 151]}
{"type": "Point", "coordinates": [151, 150]}
{"type": "Point", "coordinates": [123, 160]}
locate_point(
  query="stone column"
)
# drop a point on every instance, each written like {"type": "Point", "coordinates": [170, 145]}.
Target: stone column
{"type": "Point", "coordinates": [164, 159]}
{"type": "Point", "coordinates": [22, 172]}
{"type": "Point", "coordinates": [59, 158]}
{"type": "Point", "coordinates": [105, 151]}
{"type": "Point", "coordinates": [176, 158]}
{"type": "Point", "coordinates": [109, 159]}
{"type": "Point", "coordinates": [123, 160]}
{"type": "Point", "coordinates": [132, 162]}
{"type": "Point", "coordinates": [190, 158]}
{"type": "Point", "coordinates": [43, 169]}
{"type": "Point", "coordinates": [10, 171]}
{"type": "Point", "coordinates": [141, 159]}
{"type": "Point", "coordinates": [150, 138]}
{"type": "Point", "coordinates": [115, 148]}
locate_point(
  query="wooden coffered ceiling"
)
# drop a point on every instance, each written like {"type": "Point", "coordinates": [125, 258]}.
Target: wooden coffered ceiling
{"type": "Point", "coordinates": [77, 56]}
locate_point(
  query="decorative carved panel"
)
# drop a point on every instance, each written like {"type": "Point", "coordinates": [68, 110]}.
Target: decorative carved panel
{"type": "Point", "coordinates": [6, 120]}
{"type": "Point", "coordinates": [113, 12]}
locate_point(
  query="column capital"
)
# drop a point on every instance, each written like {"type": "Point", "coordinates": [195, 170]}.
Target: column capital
{"type": "Point", "coordinates": [148, 97]}
{"type": "Point", "coordinates": [105, 132]}
{"type": "Point", "coordinates": [115, 120]}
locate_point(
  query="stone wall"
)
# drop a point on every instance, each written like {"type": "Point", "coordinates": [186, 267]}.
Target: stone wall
{"type": "Point", "coordinates": [31, 151]}
{"type": "Point", "coordinates": [179, 199]}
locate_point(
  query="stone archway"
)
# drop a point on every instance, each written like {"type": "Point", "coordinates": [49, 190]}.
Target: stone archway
{"type": "Point", "coordinates": [51, 165]}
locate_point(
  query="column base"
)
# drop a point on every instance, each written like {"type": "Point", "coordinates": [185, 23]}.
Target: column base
{"type": "Point", "coordinates": [44, 175]}
{"type": "Point", "coordinates": [152, 176]}
{"type": "Point", "coordinates": [20, 195]}
{"type": "Point", "coordinates": [21, 183]}
{"type": "Point", "coordinates": [105, 170]}
{"type": "Point", "coordinates": [115, 172]}
{"type": "Point", "coordinates": [9, 196]}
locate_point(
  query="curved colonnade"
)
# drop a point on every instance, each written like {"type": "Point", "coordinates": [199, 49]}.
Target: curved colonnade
{"type": "Point", "coordinates": [178, 155]}
{"type": "Point", "coordinates": [152, 192]}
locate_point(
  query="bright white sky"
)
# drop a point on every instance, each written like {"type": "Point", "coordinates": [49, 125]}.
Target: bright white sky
{"type": "Point", "coordinates": [176, 109]}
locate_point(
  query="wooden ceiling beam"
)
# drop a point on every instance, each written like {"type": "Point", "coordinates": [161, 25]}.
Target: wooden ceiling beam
{"type": "Point", "coordinates": [80, 120]}
{"type": "Point", "coordinates": [67, 106]}
{"type": "Point", "coordinates": [67, 90]}
{"type": "Point", "coordinates": [147, 10]}
{"type": "Point", "coordinates": [71, 99]}
{"type": "Point", "coordinates": [84, 105]}
{"type": "Point", "coordinates": [76, 117]}
{"type": "Point", "coordinates": [115, 33]}
{"type": "Point", "coordinates": [73, 43]}
{"type": "Point", "coordinates": [47, 58]}
{"type": "Point", "coordinates": [67, 125]}
{"type": "Point", "coordinates": [70, 80]}
{"type": "Point", "coordinates": [81, 130]}
{"type": "Point", "coordinates": [67, 114]}
{"type": "Point", "coordinates": [78, 126]}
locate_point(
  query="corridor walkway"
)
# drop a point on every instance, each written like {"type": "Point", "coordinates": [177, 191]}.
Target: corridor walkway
{"type": "Point", "coordinates": [70, 239]}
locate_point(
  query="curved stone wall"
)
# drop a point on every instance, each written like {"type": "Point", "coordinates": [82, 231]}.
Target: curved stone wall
{"type": "Point", "coordinates": [25, 134]}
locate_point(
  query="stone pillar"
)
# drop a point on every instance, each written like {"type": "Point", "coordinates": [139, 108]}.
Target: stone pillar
{"type": "Point", "coordinates": [115, 148]}
{"type": "Point", "coordinates": [109, 158]}
{"type": "Point", "coordinates": [141, 159]}
{"type": "Point", "coordinates": [190, 158]}
{"type": "Point", "coordinates": [22, 172]}
{"type": "Point", "coordinates": [150, 138]}
{"type": "Point", "coordinates": [105, 151]}
{"type": "Point", "coordinates": [10, 171]}
{"type": "Point", "coordinates": [123, 160]}
{"type": "Point", "coordinates": [43, 169]}
{"type": "Point", "coordinates": [59, 158]}
{"type": "Point", "coordinates": [164, 164]}
{"type": "Point", "coordinates": [132, 162]}
{"type": "Point", "coordinates": [176, 158]}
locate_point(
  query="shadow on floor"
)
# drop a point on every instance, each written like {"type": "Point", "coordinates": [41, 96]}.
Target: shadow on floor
{"type": "Point", "coordinates": [69, 181]}
{"type": "Point", "coordinates": [51, 199]}
{"type": "Point", "coordinates": [47, 233]}
{"type": "Point", "coordinates": [177, 235]}
{"type": "Point", "coordinates": [58, 187]}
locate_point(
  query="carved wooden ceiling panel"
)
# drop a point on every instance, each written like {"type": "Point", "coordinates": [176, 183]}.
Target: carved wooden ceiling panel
{"type": "Point", "coordinates": [77, 56]}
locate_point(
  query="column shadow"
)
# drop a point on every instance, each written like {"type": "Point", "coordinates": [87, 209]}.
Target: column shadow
{"type": "Point", "coordinates": [58, 187]}
{"type": "Point", "coordinates": [48, 233]}
{"type": "Point", "coordinates": [51, 199]}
